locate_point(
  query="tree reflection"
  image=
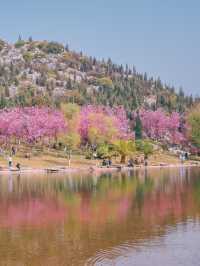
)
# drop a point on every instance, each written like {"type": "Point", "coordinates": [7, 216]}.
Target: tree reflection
{"type": "Point", "coordinates": [84, 213]}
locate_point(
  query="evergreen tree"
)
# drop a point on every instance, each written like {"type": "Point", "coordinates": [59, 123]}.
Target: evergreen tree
{"type": "Point", "coordinates": [67, 47]}
{"type": "Point", "coordinates": [138, 127]}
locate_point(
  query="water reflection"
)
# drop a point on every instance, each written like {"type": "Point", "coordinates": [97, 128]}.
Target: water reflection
{"type": "Point", "coordinates": [77, 220]}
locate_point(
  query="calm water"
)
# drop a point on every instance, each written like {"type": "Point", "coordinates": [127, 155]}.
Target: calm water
{"type": "Point", "coordinates": [145, 218]}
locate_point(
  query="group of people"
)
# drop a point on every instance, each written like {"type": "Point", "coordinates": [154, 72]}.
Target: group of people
{"type": "Point", "coordinates": [10, 160]}
{"type": "Point", "coordinates": [10, 163]}
{"type": "Point", "coordinates": [107, 162]}
{"type": "Point", "coordinates": [131, 162]}
{"type": "Point", "coordinates": [138, 161]}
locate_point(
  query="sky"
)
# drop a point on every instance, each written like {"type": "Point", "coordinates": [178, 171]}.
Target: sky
{"type": "Point", "coordinates": [160, 37]}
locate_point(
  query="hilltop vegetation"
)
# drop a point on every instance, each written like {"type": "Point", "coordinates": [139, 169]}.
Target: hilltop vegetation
{"type": "Point", "coordinates": [47, 73]}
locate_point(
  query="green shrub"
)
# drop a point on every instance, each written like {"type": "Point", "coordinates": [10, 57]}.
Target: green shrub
{"type": "Point", "coordinates": [103, 151]}
{"type": "Point", "coordinates": [105, 82]}
{"type": "Point", "coordinates": [144, 146]}
{"type": "Point", "coordinates": [19, 43]}
{"type": "Point", "coordinates": [88, 155]}
{"type": "Point", "coordinates": [27, 57]}
{"type": "Point", "coordinates": [51, 47]}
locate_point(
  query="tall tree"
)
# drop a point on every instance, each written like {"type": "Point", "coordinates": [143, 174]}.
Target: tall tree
{"type": "Point", "coordinates": [138, 127]}
{"type": "Point", "coordinates": [193, 121]}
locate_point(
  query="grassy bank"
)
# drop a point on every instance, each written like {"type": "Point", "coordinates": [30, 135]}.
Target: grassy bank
{"type": "Point", "coordinates": [40, 159]}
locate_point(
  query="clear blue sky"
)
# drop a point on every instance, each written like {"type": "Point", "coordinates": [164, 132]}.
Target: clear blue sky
{"type": "Point", "coordinates": [161, 37]}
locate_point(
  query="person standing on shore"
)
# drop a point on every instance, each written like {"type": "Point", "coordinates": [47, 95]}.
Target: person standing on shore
{"type": "Point", "coordinates": [10, 161]}
{"type": "Point", "coordinates": [18, 166]}
{"type": "Point", "coordinates": [182, 158]}
{"type": "Point", "coordinates": [13, 150]}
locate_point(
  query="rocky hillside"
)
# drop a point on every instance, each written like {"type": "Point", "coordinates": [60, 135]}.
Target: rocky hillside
{"type": "Point", "coordinates": [47, 73]}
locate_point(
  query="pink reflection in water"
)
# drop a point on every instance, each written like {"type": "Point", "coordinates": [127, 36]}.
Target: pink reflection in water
{"type": "Point", "coordinates": [34, 212]}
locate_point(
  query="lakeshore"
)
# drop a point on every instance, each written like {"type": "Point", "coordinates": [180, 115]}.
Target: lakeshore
{"type": "Point", "coordinates": [52, 161]}
{"type": "Point", "coordinates": [92, 169]}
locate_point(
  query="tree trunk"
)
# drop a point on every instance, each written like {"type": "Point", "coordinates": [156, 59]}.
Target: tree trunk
{"type": "Point", "coordinates": [69, 159]}
{"type": "Point", "coordinates": [123, 158]}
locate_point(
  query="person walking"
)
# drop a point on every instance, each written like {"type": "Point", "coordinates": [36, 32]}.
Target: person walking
{"type": "Point", "coordinates": [13, 150]}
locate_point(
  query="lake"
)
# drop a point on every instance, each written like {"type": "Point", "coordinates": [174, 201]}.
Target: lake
{"type": "Point", "coordinates": [142, 217]}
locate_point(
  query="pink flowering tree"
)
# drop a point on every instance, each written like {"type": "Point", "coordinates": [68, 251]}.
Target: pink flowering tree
{"type": "Point", "coordinates": [30, 124]}
{"type": "Point", "coordinates": [161, 126]}
{"type": "Point", "coordinates": [99, 124]}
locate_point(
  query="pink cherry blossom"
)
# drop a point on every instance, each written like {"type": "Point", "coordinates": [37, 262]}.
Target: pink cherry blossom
{"type": "Point", "coordinates": [30, 124]}
{"type": "Point", "coordinates": [162, 126]}
{"type": "Point", "coordinates": [105, 120]}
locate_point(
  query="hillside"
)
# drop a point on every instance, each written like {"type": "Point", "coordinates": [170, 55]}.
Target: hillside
{"type": "Point", "coordinates": [47, 73]}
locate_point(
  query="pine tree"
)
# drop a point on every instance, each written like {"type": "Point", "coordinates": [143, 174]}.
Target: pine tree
{"type": "Point", "coordinates": [67, 47]}
{"type": "Point", "coordinates": [138, 127]}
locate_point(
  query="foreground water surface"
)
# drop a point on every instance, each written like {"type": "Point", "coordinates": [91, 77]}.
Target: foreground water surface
{"type": "Point", "coordinates": [144, 217]}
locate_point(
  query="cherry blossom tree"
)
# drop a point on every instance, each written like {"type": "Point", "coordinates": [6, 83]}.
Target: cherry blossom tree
{"type": "Point", "coordinates": [30, 124]}
{"type": "Point", "coordinates": [161, 126]}
{"type": "Point", "coordinates": [99, 124]}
